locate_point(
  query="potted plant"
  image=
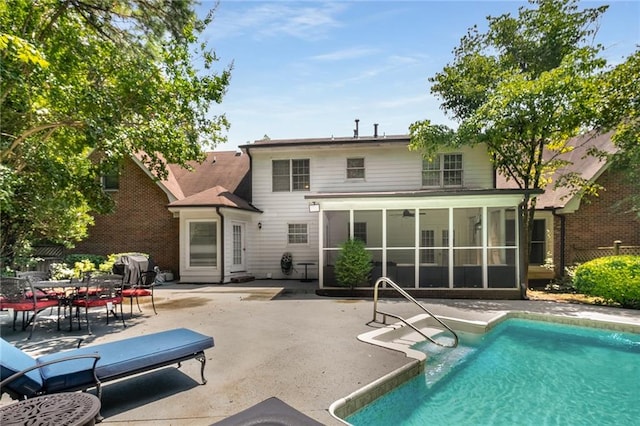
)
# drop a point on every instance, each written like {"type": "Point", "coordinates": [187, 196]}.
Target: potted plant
{"type": "Point", "coordinates": [353, 264]}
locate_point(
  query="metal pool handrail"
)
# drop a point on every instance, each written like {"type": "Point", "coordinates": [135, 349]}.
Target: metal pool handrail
{"type": "Point", "coordinates": [398, 317]}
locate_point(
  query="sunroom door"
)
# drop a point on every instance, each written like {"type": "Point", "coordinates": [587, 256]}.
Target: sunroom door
{"type": "Point", "coordinates": [238, 262]}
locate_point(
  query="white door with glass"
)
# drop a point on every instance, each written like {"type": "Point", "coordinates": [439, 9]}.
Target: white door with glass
{"type": "Point", "coordinates": [238, 257]}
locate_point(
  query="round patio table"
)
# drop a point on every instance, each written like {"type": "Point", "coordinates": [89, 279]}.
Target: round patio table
{"type": "Point", "coordinates": [67, 408]}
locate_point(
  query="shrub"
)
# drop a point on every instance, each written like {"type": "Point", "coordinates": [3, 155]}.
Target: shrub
{"type": "Point", "coordinates": [72, 259]}
{"type": "Point", "coordinates": [61, 271]}
{"type": "Point", "coordinates": [616, 279]}
{"type": "Point", "coordinates": [353, 264]}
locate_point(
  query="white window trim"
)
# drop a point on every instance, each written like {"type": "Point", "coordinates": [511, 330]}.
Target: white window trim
{"type": "Point", "coordinates": [363, 168]}
{"type": "Point", "coordinates": [441, 171]}
{"type": "Point", "coordinates": [187, 246]}
{"type": "Point", "coordinates": [291, 160]}
{"type": "Point", "coordinates": [289, 234]}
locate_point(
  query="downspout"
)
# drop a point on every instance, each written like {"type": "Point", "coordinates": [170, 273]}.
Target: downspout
{"type": "Point", "coordinates": [495, 172]}
{"type": "Point", "coordinates": [221, 244]}
{"type": "Point", "coordinates": [562, 240]}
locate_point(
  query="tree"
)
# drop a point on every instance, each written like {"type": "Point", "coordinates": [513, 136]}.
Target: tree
{"type": "Point", "coordinates": [523, 88]}
{"type": "Point", "coordinates": [621, 113]}
{"type": "Point", "coordinates": [95, 80]}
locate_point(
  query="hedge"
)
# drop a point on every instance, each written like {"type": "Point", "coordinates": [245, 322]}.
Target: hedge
{"type": "Point", "coordinates": [616, 279]}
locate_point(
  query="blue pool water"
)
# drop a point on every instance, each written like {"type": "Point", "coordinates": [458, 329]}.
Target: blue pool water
{"type": "Point", "coordinates": [521, 373]}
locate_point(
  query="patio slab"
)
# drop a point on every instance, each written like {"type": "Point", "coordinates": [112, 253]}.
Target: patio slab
{"type": "Point", "coordinates": [272, 339]}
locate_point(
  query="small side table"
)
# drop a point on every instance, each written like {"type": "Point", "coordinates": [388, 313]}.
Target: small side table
{"type": "Point", "coordinates": [67, 408]}
{"type": "Point", "coordinates": [306, 276]}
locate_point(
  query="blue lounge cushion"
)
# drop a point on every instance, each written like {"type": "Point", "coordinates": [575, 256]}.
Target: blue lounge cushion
{"type": "Point", "coordinates": [12, 361]}
{"type": "Point", "coordinates": [122, 358]}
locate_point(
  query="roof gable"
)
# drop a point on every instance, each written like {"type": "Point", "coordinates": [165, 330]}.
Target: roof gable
{"type": "Point", "coordinates": [588, 166]}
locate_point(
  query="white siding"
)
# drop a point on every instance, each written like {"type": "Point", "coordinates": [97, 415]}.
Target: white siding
{"type": "Point", "coordinates": [387, 168]}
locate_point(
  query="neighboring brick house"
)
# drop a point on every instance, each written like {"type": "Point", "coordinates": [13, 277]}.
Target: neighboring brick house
{"type": "Point", "coordinates": [598, 222]}
{"type": "Point", "coordinates": [142, 221]}
{"type": "Point", "coordinates": [570, 225]}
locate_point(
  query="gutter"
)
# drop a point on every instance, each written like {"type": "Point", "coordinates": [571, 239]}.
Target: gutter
{"type": "Point", "coordinates": [221, 244]}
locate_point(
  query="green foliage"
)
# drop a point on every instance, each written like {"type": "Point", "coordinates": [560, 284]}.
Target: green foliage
{"type": "Point", "coordinates": [82, 267]}
{"type": "Point", "coordinates": [72, 259]}
{"type": "Point", "coordinates": [353, 264]}
{"type": "Point", "coordinates": [621, 113]}
{"type": "Point", "coordinates": [616, 279]}
{"type": "Point", "coordinates": [523, 89]}
{"type": "Point", "coordinates": [115, 78]}
{"type": "Point", "coordinates": [61, 271]}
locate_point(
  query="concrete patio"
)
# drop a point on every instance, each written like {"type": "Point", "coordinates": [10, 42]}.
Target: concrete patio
{"type": "Point", "coordinates": [272, 338]}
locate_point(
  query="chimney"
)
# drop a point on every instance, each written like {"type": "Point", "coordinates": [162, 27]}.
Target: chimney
{"type": "Point", "coordinates": [355, 132]}
{"type": "Point", "coordinates": [375, 130]}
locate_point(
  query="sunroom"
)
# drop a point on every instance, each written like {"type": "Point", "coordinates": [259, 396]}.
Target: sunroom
{"type": "Point", "coordinates": [465, 239]}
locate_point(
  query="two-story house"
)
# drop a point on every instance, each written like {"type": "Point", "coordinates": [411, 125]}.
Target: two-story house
{"type": "Point", "coordinates": [439, 224]}
{"type": "Point", "coordinates": [433, 225]}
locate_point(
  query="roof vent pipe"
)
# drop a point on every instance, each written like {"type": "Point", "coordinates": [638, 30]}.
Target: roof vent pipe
{"type": "Point", "coordinates": [375, 130]}
{"type": "Point", "coordinates": [355, 132]}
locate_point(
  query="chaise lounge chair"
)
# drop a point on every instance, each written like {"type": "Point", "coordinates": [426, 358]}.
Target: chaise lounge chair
{"type": "Point", "coordinates": [79, 369]}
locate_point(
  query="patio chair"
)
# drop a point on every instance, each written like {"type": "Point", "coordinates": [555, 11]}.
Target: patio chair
{"type": "Point", "coordinates": [18, 295]}
{"type": "Point", "coordinates": [143, 288]}
{"type": "Point", "coordinates": [97, 291]}
{"type": "Point", "coordinates": [37, 276]}
{"type": "Point", "coordinates": [23, 376]}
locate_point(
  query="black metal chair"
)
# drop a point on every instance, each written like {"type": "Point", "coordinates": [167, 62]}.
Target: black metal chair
{"type": "Point", "coordinates": [96, 291]}
{"type": "Point", "coordinates": [143, 288]}
{"type": "Point", "coordinates": [19, 295]}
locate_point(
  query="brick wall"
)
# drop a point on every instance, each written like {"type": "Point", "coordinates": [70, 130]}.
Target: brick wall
{"type": "Point", "coordinates": [141, 222]}
{"type": "Point", "coordinates": [598, 222]}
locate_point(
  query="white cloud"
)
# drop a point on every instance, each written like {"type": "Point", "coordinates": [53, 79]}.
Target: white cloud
{"type": "Point", "coordinates": [350, 53]}
{"type": "Point", "coordinates": [309, 22]}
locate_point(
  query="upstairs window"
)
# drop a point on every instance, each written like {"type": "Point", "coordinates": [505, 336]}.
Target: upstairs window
{"type": "Point", "coordinates": [280, 175]}
{"type": "Point", "coordinates": [111, 180]}
{"type": "Point", "coordinates": [444, 170]}
{"type": "Point", "coordinates": [355, 168]}
{"type": "Point", "coordinates": [290, 175]}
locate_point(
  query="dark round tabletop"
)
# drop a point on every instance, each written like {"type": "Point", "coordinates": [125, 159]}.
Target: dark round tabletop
{"type": "Point", "coordinates": [56, 409]}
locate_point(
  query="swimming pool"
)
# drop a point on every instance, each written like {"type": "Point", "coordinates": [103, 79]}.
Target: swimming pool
{"type": "Point", "coordinates": [522, 372]}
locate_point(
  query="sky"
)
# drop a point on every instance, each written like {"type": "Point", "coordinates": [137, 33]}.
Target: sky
{"type": "Point", "coordinates": [308, 69]}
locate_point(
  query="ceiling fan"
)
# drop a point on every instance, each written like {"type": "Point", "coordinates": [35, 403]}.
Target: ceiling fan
{"type": "Point", "coordinates": [408, 213]}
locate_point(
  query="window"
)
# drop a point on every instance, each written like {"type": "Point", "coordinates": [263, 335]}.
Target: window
{"type": "Point", "coordinates": [427, 239]}
{"type": "Point", "coordinates": [290, 175]}
{"type": "Point", "coordinates": [442, 170]}
{"type": "Point", "coordinates": [355, 168]}
{"type": "Point", "coordinates": [203, 244]}
{"type": "Point", "coordinates": [298, 233]}
{"type": "Point", "coordinates": [111, 180]}
{"type": "Point", "coordinates": [538, 242]}
{"type": "Point", "coordinates": [280, 175]}
{"type": "Point", "coordinates": [360, 231]}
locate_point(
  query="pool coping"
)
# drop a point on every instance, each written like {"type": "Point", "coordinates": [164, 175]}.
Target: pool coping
{"type": "Point", "coordinates": [390, 335]}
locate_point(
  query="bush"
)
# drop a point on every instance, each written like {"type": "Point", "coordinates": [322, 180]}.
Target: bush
{"type": "Point", "coordinates": [353, 264]}
{"type": "Point", "coordinates": [616, 279]}
{"type": "Point", "coordinates": [72, 259]}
